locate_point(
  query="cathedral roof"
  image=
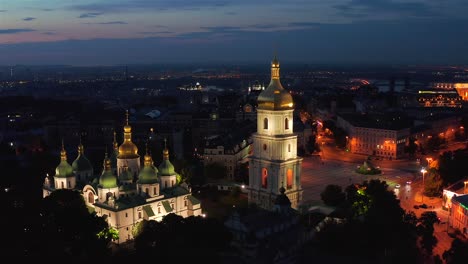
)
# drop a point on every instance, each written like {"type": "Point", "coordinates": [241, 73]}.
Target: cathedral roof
{"type": "Point", "coordinates": [128, 150]}
{"type": "Point", "coordinates": [148, 175]}
{"type": "Point", "coordinates": [81, 163]}
{"type": "Point", "coordinates": [275, 97]}
{"type": "Point", "coordinates": [107, 179]}
{"type": "Point", "coordinates": [126, 174]}
{"type": "Point", "coordinates": [64, 169]}
{"type": "Point", "coordinates": [166, 168]}
{"type": "Point", "coordinates": [282, 199]}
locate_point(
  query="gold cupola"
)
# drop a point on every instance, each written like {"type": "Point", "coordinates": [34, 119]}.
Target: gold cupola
{"type": "Point", "coordinates": [275, 97]}
{"type": "Point", "coordinates": [128, 150]}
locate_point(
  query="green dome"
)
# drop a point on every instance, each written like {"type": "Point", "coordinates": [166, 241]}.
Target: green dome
{"type": "Point", "coordinates": [148, 176]}
{"type": "Point", "coordinates": [81, 163]}
{"type": "Point", "coordinates": [107, 179]}
{"type": "Point", "coordinates": [149, 173]}
{"type": "Point", "coordinates": [166, 168]}
{"type": "Point", "coordinates": [126, 175]}
{"type": "Point", "coordinates": [64, 170]}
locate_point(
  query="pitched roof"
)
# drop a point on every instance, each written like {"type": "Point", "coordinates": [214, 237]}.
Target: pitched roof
{"type": "Point", "coordinates": [167, 206]}
{"type": "Point", "coordinates": [193, 200]}
{"type": "Point", "coordinates": [148, 210]}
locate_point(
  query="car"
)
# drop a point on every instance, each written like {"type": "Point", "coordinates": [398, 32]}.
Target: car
{"type": "Point", "coordinates": [423, 206]}
{"type": "Point", "coordinates": [408, 183]}
{"type": "Point", "coordinates": [416, 207]}
{"type": "Point", "coordinates": [397, 186]}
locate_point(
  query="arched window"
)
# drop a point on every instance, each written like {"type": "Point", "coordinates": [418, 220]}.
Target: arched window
{"type": "Point", "coordinates": [154, 190]}
{"type": "Point", "coordinates": [146, 190]}
{"type": "Point", "coordinates": [289, 147]}
{"type": "Point", "coordinates": [286, 123]}
{"type": "Point", "coordinates": [264, 178]}
{"type": "Point", "coordinates": [61, 183]}
{"type": "Point", "coordinates": [265, 123]}
{"type": "Point", "coordinates": [90, 198]}
{"type": "Point", "coordinates": [289, 178]}
{"type": "Point", "coordinates": [264, 146]}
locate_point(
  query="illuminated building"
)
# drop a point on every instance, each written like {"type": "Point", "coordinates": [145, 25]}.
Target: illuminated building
{"type": "Point", "coordinates": [461, 88]}
{"type": "Point", "coordinates": [381, 136]}
{"type": "Point", "coordinates": [439, 98]}
{"type": "Point", "coordinates": [459, 214]}
{"type": "Point", "coordinates": [274, 162]}
{"type": "Point", "coordinates": [128, 193]}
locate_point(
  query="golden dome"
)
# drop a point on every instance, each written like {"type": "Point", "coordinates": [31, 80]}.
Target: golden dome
{"type": "Point", "coordinates": [275, 97]}
{"type": "Point", "coordinates": [128, 150]}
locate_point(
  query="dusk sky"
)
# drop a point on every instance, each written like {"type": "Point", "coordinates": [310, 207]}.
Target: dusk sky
{"type": "Point", "coordinates": [108, 32]}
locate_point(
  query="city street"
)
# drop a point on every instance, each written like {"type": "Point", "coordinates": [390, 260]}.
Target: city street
{"type": "Point", "coordinates": [336, 166]}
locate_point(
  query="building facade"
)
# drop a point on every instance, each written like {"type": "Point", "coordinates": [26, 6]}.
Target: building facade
{"type": "Point", "coordinates": [274, 162]}
{"type": "Point", "coordinates": [459, 214]}
{"type": "Point", "coordinates": [126, 192]}
{"type": "Point", "coordinates": [378, 139]}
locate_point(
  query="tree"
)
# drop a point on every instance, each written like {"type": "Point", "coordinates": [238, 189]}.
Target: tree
{"type": "Point", "coordinates": [411, 147]}
{"type": "Point", "coordinates": [433, 183]}
{"type": "Point", "coordinates": [71, 230]}
{"type": "Point", "coordinates": [457, 253]}
{"type": "Point", "coordinates": [333, 195]}
{"type": "Point", "coordinates": [377, 223]}
{"type": "Point", "coordinates": [198, 238]}
{"type": "Point", "coordinates": [426, 230]}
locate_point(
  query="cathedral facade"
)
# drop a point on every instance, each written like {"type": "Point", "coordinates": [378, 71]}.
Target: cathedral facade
{"type": "Point", "coordinates": [274, 164]}
{"type": "Point", "coordinates": [126, 192]}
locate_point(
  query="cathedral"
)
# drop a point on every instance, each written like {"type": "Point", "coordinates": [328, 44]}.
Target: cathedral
{"type": "Point", "coordinates": [274, 166]}
{"type": "Point", "coordinates": [126, 192]}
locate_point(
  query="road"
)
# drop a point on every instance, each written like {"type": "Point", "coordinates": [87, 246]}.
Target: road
{"type": "Point", "coordinates": [336, 166]}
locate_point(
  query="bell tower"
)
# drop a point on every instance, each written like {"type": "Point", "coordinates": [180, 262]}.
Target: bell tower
{"type": "Point", "coordinates": [274, 163]}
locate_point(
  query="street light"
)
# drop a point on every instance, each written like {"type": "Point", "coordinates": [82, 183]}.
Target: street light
{"type": "Point", "coordinates": [464, 189]}
{"type": "Point", "coordinates": [423, 171]}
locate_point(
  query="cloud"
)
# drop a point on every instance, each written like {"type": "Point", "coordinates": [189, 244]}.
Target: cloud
{"type": "Point", "coordinates": [222, 29]}
{"type": "Point", "coordinates": [29, 18]}
{"type": "Point", "coordinates": [108, 23]}
{"type": "Point", "coordinates": [364, 8]}
{"type": "Point", "coordinates": [304, 24]}
{"type": "Point", "coordinates": [15, 30]}
{"type": "Point", "coordinates": [155, 32]}
{"type": "Point", "coordinates": [160, 26]}
{"type": "Point", "coordinates": [47, 9]}
{"type": "Point", "coordinates": [135, 5]}
{"type": "Point", "coordinates": [1, 11]}
{"type": "Point", "coordinates": [423, 41]}
{"type": "Point", "coordinates": [50, 33]}
{"type": "Point", "coordinates": [90, 15]}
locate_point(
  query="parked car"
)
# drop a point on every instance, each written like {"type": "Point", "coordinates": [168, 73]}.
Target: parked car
{"type": "Point", "coordinates": [423, 206]}
{"type": "Point", "coordinates": [416, 206]}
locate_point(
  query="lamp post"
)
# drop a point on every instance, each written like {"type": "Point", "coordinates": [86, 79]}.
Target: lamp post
{"type": "Point", "coordinates": [464, 188]}
{"type": "Point", "coordinates": [423, 171]}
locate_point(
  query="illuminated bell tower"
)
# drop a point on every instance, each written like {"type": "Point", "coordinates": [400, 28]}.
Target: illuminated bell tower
{"type": "Point", "coordinates": [274, 162]}
{"type": "Point", "coordinates": [128, 153]}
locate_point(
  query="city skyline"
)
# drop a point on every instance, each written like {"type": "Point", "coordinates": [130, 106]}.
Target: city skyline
{"type": "Point", "coordinates": [102, 32]}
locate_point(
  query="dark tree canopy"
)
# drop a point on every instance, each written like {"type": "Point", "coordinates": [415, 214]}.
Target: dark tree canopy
{"type": "Point", "coordinates": [187, 239]}
{"type": "Point", "coordinates": [70, 229]}
{"type": "Point", "coordinates": [333, 195]}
